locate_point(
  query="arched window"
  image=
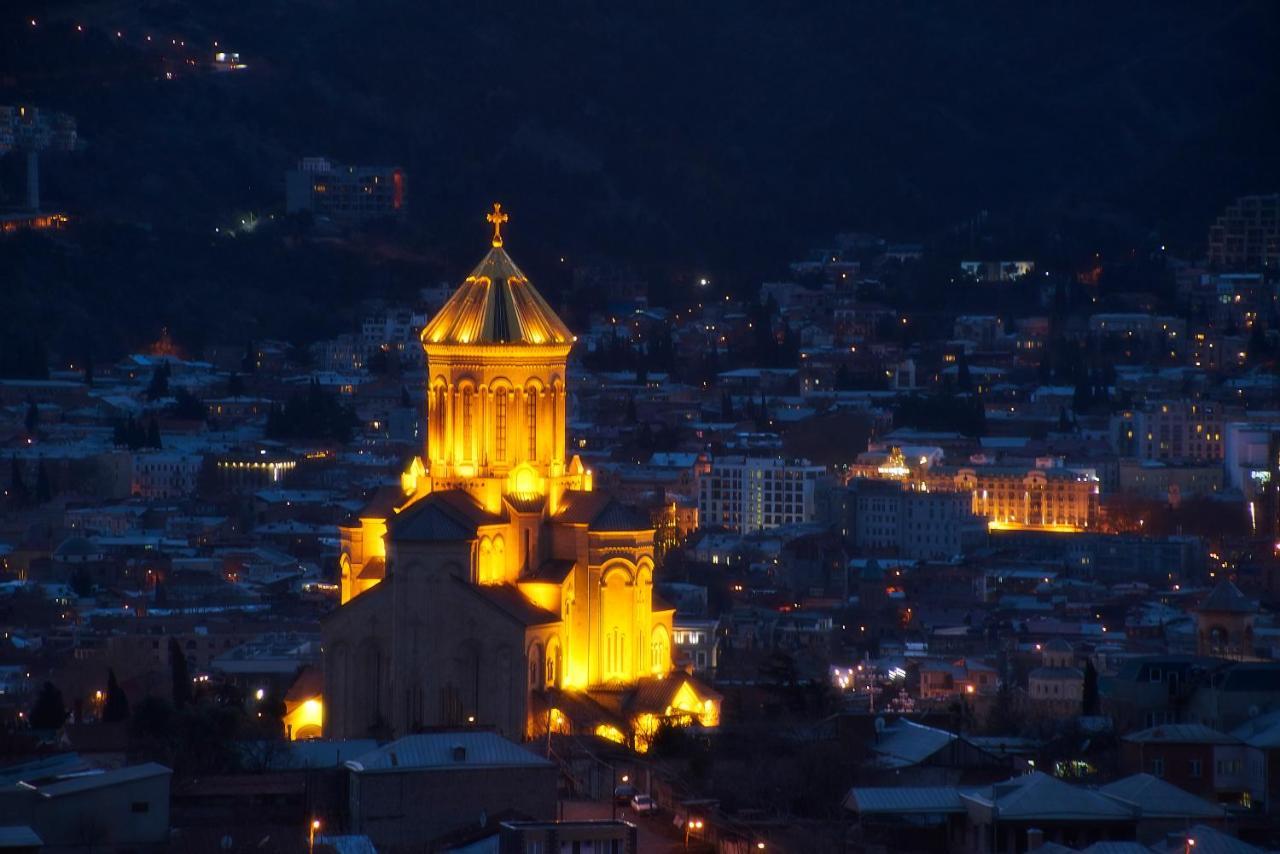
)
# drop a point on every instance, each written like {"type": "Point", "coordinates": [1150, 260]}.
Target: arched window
{"type": "Point", "coordinates": [466, 423]}
{"type": "Point", "coordinates": [531, 422]}
{"type": "Point", "coordinates": [484, 561]}
{"type": "Point", "coordinates": [659, 650]}
{"type": "Point", "coordinates": [500, 424]}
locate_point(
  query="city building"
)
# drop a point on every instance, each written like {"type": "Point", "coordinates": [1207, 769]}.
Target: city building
{"type": "Point", "coordinates": [749, 494]}
{"type": "Point", "coordinates": [1014, 497]}
{"type": "Point", "coordinates": [521, 598]}
{"type": "Point", "coordinates": [348, 195]}
{"type": "Point", "coordinates": [1247, 234]}
{"type": "Point", "coordinates": [420, 787]}
{"type": "Point", "coordinates": [887, 517]}
{"type": "Point", "coordinates": [1170, 430]}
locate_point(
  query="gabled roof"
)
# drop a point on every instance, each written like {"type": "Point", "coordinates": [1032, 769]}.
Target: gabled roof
{"type": "Point", "coordinates": [496, 305]}
{"type": "Point", "coordinates": [600, 511]}
{"type": "Point", "coordinates": [1039, 796]}
{"type": "Point", "coordinates": [1227, 598]}
{"type": "Point", "coordinates": [374, 568]}
{"type": "Point", "coordinates": [654, 695]}
{"type": "Point", "coordinates": [1156, 798]}
{"type": "Point", "coordinates": [553, 571]}
{"type": "Point", "coordinates": [510, 601]}
{"type": "Point", "coordinates": [902, 800]}
{"type": "Point", "coordinates": [439, 751]}
{"type": "Point", "coordinates": [1180, 734]}
{"type": "Point", "coordinates": [449, 515]}
{"type": "Point", "coordinates": [905, 743]}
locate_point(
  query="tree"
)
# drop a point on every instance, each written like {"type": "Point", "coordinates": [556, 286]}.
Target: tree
{"type": "Point", "coordinates": [726, 407]}
{"type": "Point", "coordinates": [115, 707]}
{"type": "Point", "coordinates": [159, 385]}
{"type": "Point", "coordinates": [1090, 703]}
{"type": "Point", "coordinates": [153, 434]}
{"type": "Point", "coordinates": [179, 674]}
{"type": "Point", "coordinates": [18, 494]}
{"type": "Point", "coordinates": [44, 488]}
{"type": "Point", "coordinates": [964, 380]}
{"type": "Point", "coordinates": [48, 711]}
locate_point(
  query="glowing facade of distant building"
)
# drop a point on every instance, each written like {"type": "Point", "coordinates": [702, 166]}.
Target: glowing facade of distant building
{"type": "Point", "coordinates": [494, 586]}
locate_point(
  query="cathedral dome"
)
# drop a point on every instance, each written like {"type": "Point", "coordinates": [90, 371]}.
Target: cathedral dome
{"type": "Point", "coordinates": [496, 304]}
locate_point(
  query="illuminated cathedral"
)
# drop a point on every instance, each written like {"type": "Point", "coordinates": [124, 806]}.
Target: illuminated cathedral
{"type": "Point", "coordinates": [494, 587]}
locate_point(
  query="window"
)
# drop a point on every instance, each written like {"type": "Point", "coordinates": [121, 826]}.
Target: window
{"type": "Point", "coordinates": [531, 422]}
{"type": "Point", "coordinates": [1195, 767]}
{"type": "Point", "coordinates": [500, 424]}
{"type": "Point", "coordinates": [1157, 767]}
{"type": "Point", "coordinates": [466, 423]}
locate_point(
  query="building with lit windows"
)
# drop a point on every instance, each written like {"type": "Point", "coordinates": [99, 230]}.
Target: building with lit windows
{"type": "Point", "coordinates": [1015, 497]}
{"type": "Point", "coordinates": [493, 586]}
{"type": "Point", "coordinates": [749, 494]}
{"type": "Point", "coordinates": [1170, 430]}
{"type": "Point", "coordinates": [344, 194]}
{"type": "Point", "coordinates": [1247, 234]}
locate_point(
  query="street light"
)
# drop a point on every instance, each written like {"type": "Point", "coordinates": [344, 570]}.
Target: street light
{"type": "Point", "coordinates": [311, 836]}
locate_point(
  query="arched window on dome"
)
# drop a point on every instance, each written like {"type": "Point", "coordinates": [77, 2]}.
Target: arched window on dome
{"type": "Point", "coordinates": [500, 425]}
{"type": "Point", "coordinates": [468, 402]}
{"type": "Point", "coordinates": [531, 422]}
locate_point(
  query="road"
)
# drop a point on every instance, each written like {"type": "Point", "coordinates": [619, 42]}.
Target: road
{"type": "Point", "coordinates": [655, 832]}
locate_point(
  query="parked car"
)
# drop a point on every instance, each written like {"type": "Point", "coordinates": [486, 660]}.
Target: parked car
{"type": "Point", "coordinates": [622, 795]}
{"type": "Point", "coordinates": [643, 804]}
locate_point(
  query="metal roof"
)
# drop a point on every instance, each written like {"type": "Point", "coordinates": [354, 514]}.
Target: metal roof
{"type": "Point", "coordinates": [1156, 798]}
{"type": "Point", "coordinates": [88, 782]}
{"type": "Point", "coordinates": [914, 799]}
{"type": "Point", "coordinates": [496, 304]}
{"type": "Point", "coordinates": [439, 751]}
{"type": "Point", "coordinates": [1180, 734]}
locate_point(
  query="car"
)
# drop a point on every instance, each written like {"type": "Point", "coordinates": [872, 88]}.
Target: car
{"type": "Point", "coordinates": [622, 795]}
{"type": "Point", "coordinates": [643, 804]}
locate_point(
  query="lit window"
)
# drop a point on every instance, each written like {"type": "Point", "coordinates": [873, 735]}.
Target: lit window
{"type": "Point", "coordinates": [500, 424]}
{"type": "Point", "coordinates": [531, 422]}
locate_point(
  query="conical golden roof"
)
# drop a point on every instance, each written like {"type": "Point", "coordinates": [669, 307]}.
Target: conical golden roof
{"type": "Point", "coordinates": [496, 305]}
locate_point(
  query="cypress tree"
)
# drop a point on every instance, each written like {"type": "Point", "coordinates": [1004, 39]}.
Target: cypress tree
{"type": "Point", "coordinates": [1090, 702]}
{"type": "Point", "coordinates": [115, 707]}
{"type": "Point", "coordinates": [44, 489]}
{"type": "Point", "coordinates": [49, 712]}
{"type": "Point", "coordinates": [179, 674]}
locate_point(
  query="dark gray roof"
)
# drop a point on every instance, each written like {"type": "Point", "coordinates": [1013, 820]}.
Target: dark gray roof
{"type": "Point", "coordinates": [1181, 734]}
{"type": "Point", "coordinates": [900, 800]}
{"type": "Point", "coordinates": [601, 512]}
{"type": "Point", "coordinates": [1227, 598]}
{"type": "Point", "coordinates": [1156, 798]}
{"type": "Point", "coordinates": [511, 602]}
{"type": "Point", "coordinates": [436, 751]}
{"type": "Point", "coordinates": [446, 516]}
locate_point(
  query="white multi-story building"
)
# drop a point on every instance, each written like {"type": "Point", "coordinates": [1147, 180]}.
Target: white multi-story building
{"type": "Point", "coordinates": [748, 494]}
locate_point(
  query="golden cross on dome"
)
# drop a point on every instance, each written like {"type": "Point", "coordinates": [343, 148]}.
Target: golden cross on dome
{"type": "Point", "coordinates": [497, 218]}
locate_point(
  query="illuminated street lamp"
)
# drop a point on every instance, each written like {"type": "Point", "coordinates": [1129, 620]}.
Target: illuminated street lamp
{"type": "Point", "coordinates": [311, 836]}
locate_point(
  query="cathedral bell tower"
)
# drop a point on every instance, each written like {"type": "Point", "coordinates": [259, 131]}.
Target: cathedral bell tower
{"type": "Point", "coordinates": [496, 355]}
